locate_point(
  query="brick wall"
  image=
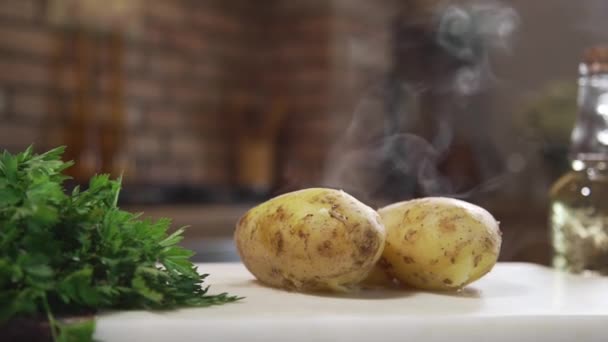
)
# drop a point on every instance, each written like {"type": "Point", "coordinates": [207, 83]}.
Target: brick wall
{"type": "Point", "coordinates": [302, 30]}
{"type": "Point", "coordinates": [181, 69]}
{"type": "Point", "coordinates": [176, 71]}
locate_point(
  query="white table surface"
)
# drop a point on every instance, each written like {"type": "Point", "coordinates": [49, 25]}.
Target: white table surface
{"type": "Point", "coordinates": [515, 302]}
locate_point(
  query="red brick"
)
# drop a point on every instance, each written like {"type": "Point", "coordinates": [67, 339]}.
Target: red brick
{"type": "Point", "coordinates": [193, 95]}
{"type": "Point", "coordinates": [168, 65]}
{"type": "Point", "coordinates": [104, 80]}
{"type": "Point", "coordinates": [160, 173]}
{"type": "Point", "coordinates": [107, 82]}
{"type": "Point", "coordinates": [53, 136]}
{"type": "Point", "coordinates": [144, 89]}
{"type": "Point", "coordinates": [193, 173]}
{"type": "Point", "coordinates": [214, 149]}
{"type": "Point", "coordinates": [309, 7]}
{"type": "Point", "coordinates": [4, 100]}
{"type": "Point", "coordinates": [153, 34]}
{"type": "Point", "coordinates": [134, 58]}
{"type": "Point", "coordinates": [216, 21]}
{"type": "Point", "coordinates": [214, 171]}
{"type": "Point", "coordinates": [185, 147]}
{"type": "Point", "coordinates": [23, 73]}
{"type": "Point", "coordinates": [146, 145]}
{"type": "Point", "coordinates": [102, 109]}
{"type": "Point", "coordinates": [316, 152]}
{"type": "Point", "coordinates": [17, 136]}
{"type": "Point", "coordinates": [28, 40]}
{"type": "Point", "coordinates": [318, 52]}
{"type": "Point", "coordinates": [207, 70]}
{"type": "Point", "coordinates": [190, 42]}
{"type": "Point", "coordinates": [66, 79]}
{"type": "Point", "coordinates": [163, 118]}
{"type": "Point", "coordinates": [317, 27]}
{"type": "Point", "coordinates": [308, 99]}
{"type": "Point", "coordinates": [228, 51]}
{"type": "Point", "coordinates": [167, 11]}
{"type": "Point", "coordinates": [134, 116]}
{"type": "Point", "coordinates": [22, 9]}
{"type": "Point", "coordinates": [209, 122]}
{"type": "Point", "coordinates": [32, 106]}
{"type": "Point", "coordinates": [311, 75]}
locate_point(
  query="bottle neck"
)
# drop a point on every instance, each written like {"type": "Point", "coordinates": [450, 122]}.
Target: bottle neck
{"type": "Point", "coordinates": [594, 169]}
{"type": "Point", "coordinates": [590, 134]}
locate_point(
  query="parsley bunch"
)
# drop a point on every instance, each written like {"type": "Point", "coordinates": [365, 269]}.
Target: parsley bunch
{"type": "Point", "coordinates": [64, 254]}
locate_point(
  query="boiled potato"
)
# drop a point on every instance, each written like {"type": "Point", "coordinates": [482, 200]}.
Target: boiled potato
{"type": "Point", "coordinates": [437, 243]}
{"type": "Point", "coordinates": [310, 240]}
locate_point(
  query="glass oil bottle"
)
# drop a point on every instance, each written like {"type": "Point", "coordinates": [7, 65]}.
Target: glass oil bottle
{"type": "Point", "coordinates": [578, 215]}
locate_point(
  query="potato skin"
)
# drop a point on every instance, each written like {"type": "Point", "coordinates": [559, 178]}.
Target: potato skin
{"type": "Point", "coordinates": [310, 240]}
{"type": "Point", "coordinates": [438, 243]}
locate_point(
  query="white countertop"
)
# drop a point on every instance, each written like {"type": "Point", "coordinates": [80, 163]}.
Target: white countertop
{"type": "Point", "coordinates": [515, 302]}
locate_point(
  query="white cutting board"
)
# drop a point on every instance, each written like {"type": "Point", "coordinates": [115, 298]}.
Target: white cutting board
{"type": "Point", "coordinates": [515, 302]}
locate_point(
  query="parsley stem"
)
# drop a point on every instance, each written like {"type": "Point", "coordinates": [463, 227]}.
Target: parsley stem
{"type": "Point", "coordinates": [51, 319]}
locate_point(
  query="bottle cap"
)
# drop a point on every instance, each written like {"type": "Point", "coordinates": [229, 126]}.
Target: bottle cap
{"type": "Point", "coordinates": [595, 60]}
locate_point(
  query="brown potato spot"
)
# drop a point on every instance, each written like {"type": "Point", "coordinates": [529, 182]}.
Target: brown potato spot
{"type": "Point", "coordinates": [447, 281]}
{"type": "Point", "coordinates": [325, 249]}
{"type": "Point", "coordinates": [434, 262]}
{"type": "Point", "coordinates": [326, 199]}
{"type": "Point", "coordinates": [367, 246]}
{"type": "Point", "coordinates": [288, 284]}
{"type": "Point", "coordinates": [336, 215]}
{"type": "Point", "coordinates": [408, 259]}
{"type": "Point", "coordinates": [477, 260]}
{"type": "Point", "coordinates": [421, 277]}
{"type": "Point", "coordinates": [488, 243]}
{"type": "Point", "coordinates": [453, 260]}
{"type": "Point", "coordinates": [253, 231]}
{"type": "Point", "coordinates": [280, 213]}
{"type": "Point", "coordinates": [447, 225]}
{"type": "Point", "coordinates": [384, 264]}
{"type": "Point", "coordinates": [406, 217]}
{"type": "Point", "coordinates": [310, 284]}
{"type": "Point", "coordinates": [410, 235]}
{"type": "Point", "coordinates": [302, 235]}
{"type": "Point", "coordinates": [279, 243]}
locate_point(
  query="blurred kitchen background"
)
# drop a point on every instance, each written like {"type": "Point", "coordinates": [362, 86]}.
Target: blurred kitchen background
{"type": "Point", "coordinates": [208, 107]}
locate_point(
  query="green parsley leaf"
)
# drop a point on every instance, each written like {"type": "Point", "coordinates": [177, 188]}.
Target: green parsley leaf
{"type": "Point", "coordinates": [65, 254]}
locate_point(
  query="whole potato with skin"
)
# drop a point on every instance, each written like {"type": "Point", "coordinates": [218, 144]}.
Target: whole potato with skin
{"type": "Point", "coordinates": [437, 243]}
{"type": "Point", "coordinates": [310, 240]}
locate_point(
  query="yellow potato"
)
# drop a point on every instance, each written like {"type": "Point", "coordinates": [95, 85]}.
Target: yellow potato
{"type": "Point", "coordinates": [310, 240]}
{"type": "Point", "coordinates": [437, 243]}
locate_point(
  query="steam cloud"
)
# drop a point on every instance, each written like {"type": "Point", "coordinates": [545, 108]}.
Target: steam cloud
{"type": "Point", "coordinates": [380, 158]}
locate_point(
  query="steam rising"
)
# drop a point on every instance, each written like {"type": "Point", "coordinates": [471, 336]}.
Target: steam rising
{"type": "Point", "coordinates": [468, 31]}
{"type": "Point", "coordinates": [381, 157]}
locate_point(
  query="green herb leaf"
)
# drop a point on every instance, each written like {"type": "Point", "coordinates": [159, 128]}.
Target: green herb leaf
{"type": "Point", "coordinates": [71, 253]}
{"type": "Point", "coordinates": [77, 332]}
